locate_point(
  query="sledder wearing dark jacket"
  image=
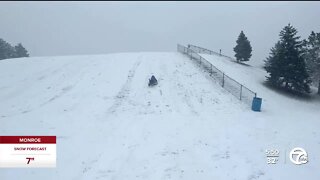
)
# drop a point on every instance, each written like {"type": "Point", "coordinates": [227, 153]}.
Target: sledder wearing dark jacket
{"type": "Point", "coordinates": [153, 81]}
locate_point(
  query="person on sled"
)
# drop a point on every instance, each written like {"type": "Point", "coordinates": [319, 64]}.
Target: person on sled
{"type": "Point", "coordinates": [153, 81]}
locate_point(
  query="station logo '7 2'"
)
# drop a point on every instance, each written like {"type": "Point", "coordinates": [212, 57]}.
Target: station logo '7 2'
{"type": "Point", "coordinates": [298, 156]}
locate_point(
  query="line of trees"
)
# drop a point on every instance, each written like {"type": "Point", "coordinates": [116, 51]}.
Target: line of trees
{"type": "Point", "coordinates": [293, 64]}
{"type": "Point", "coordinates": [7, 51]}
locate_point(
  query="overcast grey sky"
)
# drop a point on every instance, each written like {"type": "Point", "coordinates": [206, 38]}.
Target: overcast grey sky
{"type": "Point", "coordinates": [67, 28]}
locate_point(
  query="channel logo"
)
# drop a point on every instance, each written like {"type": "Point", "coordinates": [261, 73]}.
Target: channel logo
{"type": "Point", "coordinates": [298, 156]}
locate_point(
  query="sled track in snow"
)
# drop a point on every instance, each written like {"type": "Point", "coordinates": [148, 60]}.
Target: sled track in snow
{"type": "Point", "coordinates": [186, 92]}
{"type": "Point", "coordinates": [124, 91]}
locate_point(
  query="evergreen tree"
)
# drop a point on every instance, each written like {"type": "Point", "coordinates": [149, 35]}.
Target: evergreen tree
{"type": "Point", "coordinates": [312, 56]}
{"type": "Point", "coordinates": [243, 48]}
{"type": "Point", "coordinates": [286, 64]}
{"type": "Point", "coordinates": [6, 50]}
{"type": "Point", "coordinates": [21, 51]}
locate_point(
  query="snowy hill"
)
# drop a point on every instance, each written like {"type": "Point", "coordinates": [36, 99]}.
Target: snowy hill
{"type": "Point", "coordinates": [110, 125]}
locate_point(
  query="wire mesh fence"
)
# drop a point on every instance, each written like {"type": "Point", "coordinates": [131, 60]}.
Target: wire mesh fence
{"type": "Point", "coordinates": [202, 50]}
{"type": "Point", "coordinates": [235, 88]}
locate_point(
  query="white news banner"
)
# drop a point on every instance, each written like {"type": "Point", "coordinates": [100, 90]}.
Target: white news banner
{"type": "Point", "coordinates": [27, 151]}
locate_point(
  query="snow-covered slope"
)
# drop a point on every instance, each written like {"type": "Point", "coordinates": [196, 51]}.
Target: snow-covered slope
{"type": "Point", "coordinates": [110, 125]}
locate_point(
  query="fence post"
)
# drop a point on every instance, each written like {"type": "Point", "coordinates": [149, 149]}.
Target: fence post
{"type": "Point", "coordinates": [211, 69]}
{"type": "Point", "coordinates": [240, 92]}
{"type": "Point", "coordinates": [222, 79]}
{"type": "Point", "coordinates": [200, 60]}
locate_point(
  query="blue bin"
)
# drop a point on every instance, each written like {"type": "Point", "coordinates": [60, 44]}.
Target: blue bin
{"type": "Point", "coordinates": [256, 104]}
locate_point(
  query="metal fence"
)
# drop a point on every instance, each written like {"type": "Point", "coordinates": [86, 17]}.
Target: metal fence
{"type": "Point", "coordinates": [235, 88]}
{"type": "Point", "coordinates": [207, 51]}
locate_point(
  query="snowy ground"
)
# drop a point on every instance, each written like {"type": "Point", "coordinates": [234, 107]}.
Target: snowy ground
{"type": "Point", "coordinates": [110, 125]}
